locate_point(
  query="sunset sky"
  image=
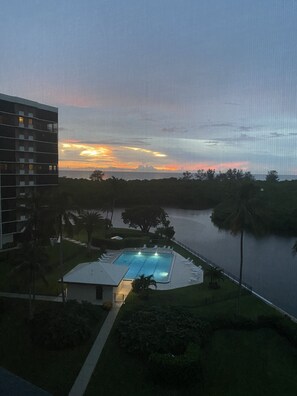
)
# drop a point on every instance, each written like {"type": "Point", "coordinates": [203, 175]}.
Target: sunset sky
{"type": "Point", "coordinates": [159, 84]}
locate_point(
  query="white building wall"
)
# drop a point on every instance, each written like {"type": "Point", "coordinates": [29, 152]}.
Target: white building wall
{"type": "Point", "coordinates": [107, 293]}
{"type": "Point", "coordinates": [82, 292]}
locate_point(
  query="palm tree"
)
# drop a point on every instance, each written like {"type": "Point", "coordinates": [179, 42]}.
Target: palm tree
{"type": "Point", "coordinates": [243, 214]}
{"type": "Point", "coordinates": [34, 206]}
{"type": "Point", "coordinates": [90, 220]}
{"type": "Point", "coordinates": [215, 274]}
{"type": "Point", "coordinates": [62, 208]}
{"type": "Point", "coordinates": [31, 263]}
{"type": "Point", "coordinates": [142, 284]}
{"type": "Point", "coordinates": [114, 193]}
{"type": "Point", "coordinates": [242, 217]}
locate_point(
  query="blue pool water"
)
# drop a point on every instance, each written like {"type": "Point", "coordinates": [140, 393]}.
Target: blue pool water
{"type": "Point", "coordinates": [146, 263]}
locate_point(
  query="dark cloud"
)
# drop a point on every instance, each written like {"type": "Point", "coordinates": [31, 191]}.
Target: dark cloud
{"type": "Point", "coordinates": [218, 125]}
{"type": "Point", "coordinates": [119, 142]}
{"type": "Point", "coordinates": [174, 130]}
{"type": "Point", "coordinates": [232, 103]}
{"type": "Point", "coordinates": [245, 128]}
{"type": "Point", "coordinates": [243, 137]}
{"type": "Point", "coordinates": [276, 134]}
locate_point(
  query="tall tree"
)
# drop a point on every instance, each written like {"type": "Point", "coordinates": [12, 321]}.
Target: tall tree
{"type": "Point", "coordinates": [90, 220]}
{"type": "Point", "coordinates": [35, 208]}
{"type": "Point", "coordinates": [97, 175]}
{"type": "Point", "coordinates": [30, 263]}
{"type": "Point", "coordinates": [115, 185]}
{"type": "Point", "coordinates": [62, 208]}
{"type": "Point", "coordinates": [144, 217]}
{"type": "Point", "coordinates": [242, 212]}
{"type": "Point", "coordinates": [272, 176]}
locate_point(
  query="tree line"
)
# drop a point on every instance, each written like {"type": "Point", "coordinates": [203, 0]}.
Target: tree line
{"type": "Point", "coordinates": [189, 192]}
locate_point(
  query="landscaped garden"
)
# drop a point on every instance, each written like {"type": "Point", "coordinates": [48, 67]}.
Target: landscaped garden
{"type": "Point", "coordinates": [50, 350]}
{"type": "Point", "coordinates": [191, 340]}
{"type": "Point", "coordinates": [195, 339]}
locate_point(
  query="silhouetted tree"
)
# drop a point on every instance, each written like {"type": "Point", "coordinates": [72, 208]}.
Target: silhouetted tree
{"type": "Point", "coordinates": [241, 214]}
{"type": "Point", "coordinates": [97, 175]}
{"type": "Point", "coordinates": [144, 217]}
{"type": "Point", "coordinates": [30, 263]}
{"type": "Point", "coordinates": [90, 220]}
{"type": "Point", "coordinates": [142, 284]}
{"type": "Point", "coordinates": [62, 208]}
{"type": "Point", "coordinates": [272, 176]}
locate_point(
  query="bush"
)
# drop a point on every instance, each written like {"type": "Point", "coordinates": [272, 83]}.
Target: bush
{"type": "Point", "coordinates": [284, 327]}
{"type": "Point", "coordinates": [63, 326]}
{"type": "Point", "coordinates": [108, 243]}
{"type": "Point", "coordinates": [173, 370]}
{"type": "Point", "coordinates": [161, 331]}
{"type": "Point", "coordinates": [234, 323]}
{"type": "Point", "coordinates": [107, 306]}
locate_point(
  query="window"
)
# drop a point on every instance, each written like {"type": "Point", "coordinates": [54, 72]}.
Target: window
{"type": "Point", "coordinates": [21, 121]}
{"type": "Point", "coordinates": [99, 292]}
{"type": "Point", "coordinates": [31, 167]}
{"type": "Point", "coordinates": [21, 113]}
{"type": "Point", "coordinates": [30, 123]}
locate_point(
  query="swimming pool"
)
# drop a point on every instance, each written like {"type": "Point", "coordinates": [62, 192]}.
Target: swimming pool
{"type": "Point", "coordinates": [147, 263]}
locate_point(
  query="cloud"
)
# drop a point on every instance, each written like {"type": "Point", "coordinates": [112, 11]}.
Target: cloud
{"type": "Point", "coordinates": [118, 141]}
{"type": "Point", "coordinates": [276, 134]}
{"type": "Point", "coordinates": [243, 137]}
{"type": "Point", "coordinates": [217, 125]}
{"type": "Point", "coordinates": [145, 151]}
{"type": "Point", "coordinates": [245, 128]}
{"type": "Point", "coordinates": [174, 130]}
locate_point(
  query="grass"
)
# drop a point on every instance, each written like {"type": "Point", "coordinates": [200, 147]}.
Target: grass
{"type": "Point", "coordinates": [73, 255]}
{"type": "Point", "coordinates": [54, 371]}
{"type": "Point", "coordinates": [267, 364]}
{"type": "Point", "coordinates": [258, 362]}
{"type": "Point", "coordinates": [235, 363]}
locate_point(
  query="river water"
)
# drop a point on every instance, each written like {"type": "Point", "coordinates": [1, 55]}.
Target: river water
{"type": "Point", "coordinates": [269, 266]}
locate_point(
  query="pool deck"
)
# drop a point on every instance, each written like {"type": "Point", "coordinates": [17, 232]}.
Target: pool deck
{"type": "Point", "coordinates": [183, 272]}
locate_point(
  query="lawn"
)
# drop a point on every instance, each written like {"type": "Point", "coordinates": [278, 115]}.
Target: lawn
{"type": "Point", "coordinates": [73, 255]}
{"type": "Point", "coordinates": [54, 371]}
{"type": "Point", "coordinates": [258, 362]}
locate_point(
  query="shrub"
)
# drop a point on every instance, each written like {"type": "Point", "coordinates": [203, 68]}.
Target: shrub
{"type": "Point", "coordinates": [283, 326]}
{"type": "Point", "coordinates": [107, 306]}
{"type": "Point", "coordinates": [233, 322]}
{"type": "Point", "coordinates": [63, 326]}
{"type": "Point", "coordinates": [161, 331]}
{"type": "Point", "coordinates": [172, 370]}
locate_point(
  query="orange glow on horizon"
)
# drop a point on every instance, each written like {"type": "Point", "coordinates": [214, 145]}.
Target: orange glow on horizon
{"type": "Point", "coordinates": [78, 155]}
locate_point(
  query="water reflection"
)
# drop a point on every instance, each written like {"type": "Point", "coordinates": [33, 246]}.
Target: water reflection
{"type": "Point", "coordinates": [269, 266]}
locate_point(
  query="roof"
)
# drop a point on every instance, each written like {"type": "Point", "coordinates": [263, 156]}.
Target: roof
{"type": "Point", "coordinates": [10, 384]}
{"type": "Point", "coordinates": [96, 273]}
{"type": "Point", "coordinates": [27, 102]}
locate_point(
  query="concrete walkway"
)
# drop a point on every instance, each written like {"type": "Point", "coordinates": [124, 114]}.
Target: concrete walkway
{"type": "Point", "coordinates": [84, 376]}
{"type": "Point", "coordinates": [26, 296]}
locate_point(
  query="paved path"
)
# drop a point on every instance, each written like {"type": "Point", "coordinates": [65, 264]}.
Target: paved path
{"type": "Point", "coordinates": [26, 296]}
{"type": "Point", "coordinates": [84, 376]}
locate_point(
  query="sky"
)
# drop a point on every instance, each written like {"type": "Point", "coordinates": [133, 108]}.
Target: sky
{"type": "Point", "coordinates": [167, 85]}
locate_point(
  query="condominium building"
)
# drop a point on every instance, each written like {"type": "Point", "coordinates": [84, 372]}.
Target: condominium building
{"type": "Point", "coordinates": [28, 158]}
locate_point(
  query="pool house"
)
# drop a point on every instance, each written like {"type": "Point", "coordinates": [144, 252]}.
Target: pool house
{"type": "Point", "coordinates": [95, 282]}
